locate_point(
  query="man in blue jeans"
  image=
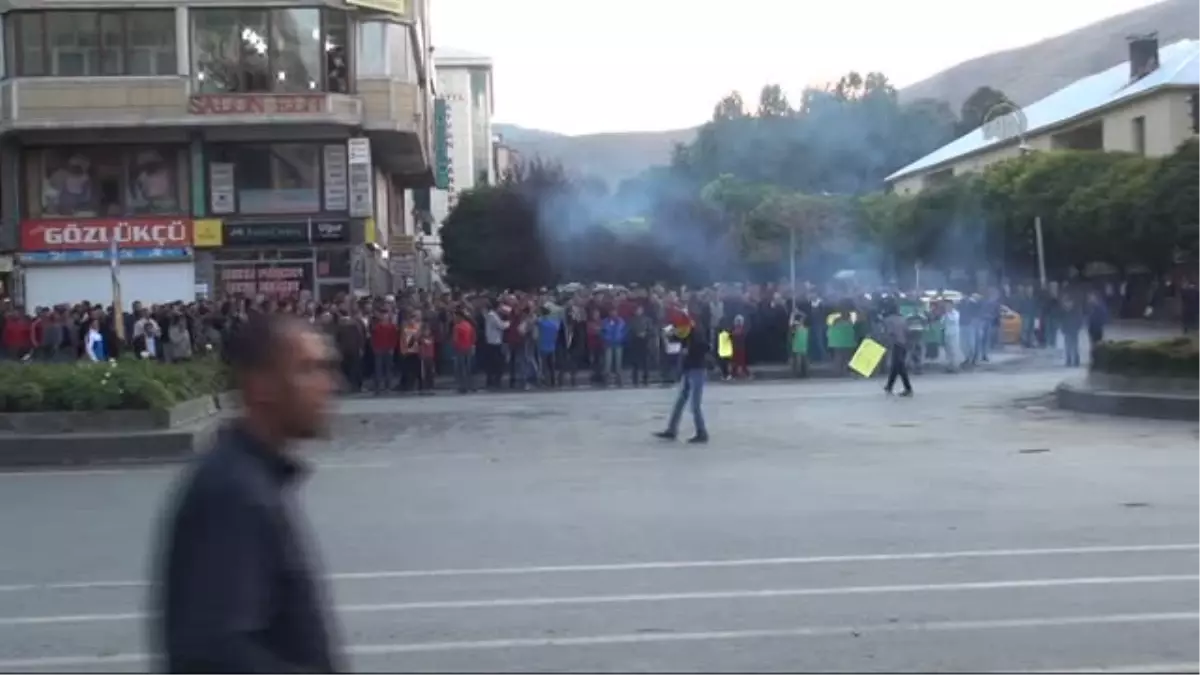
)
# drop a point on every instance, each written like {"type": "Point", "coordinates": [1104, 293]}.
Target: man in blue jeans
{"type": "Point", "coordinates": [695, 371]}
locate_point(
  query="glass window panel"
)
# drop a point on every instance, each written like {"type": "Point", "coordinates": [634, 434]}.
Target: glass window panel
{"type": "Point", "coordinates": [333, 262]}
{"type": "Point", "coordinates": [372, 48]}
{"type": "Point", "coordinates": [150, 38]}
{"type": "Point", "coordinates": [336, 49]}
{"type": "Point", "coordinates": [74, 43]}
{"type": "Point", "coordinates": [153, 181]}
{"type": "Point", "coordinates": [112, 44]}
{"type": "Point", "coordinates": [29, 37]}
{"type": "Point", "coordinates": [275, 179]}
{"type": "Point", "coordinates": [81, 182]}
{"type": "Point", "coordinates": [229, 48]}
{"type": "Point", "coordinates": [297, 53]}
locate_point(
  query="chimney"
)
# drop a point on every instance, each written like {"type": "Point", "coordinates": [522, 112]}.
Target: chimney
{"type": "Point", "coordinates": [1143, 55]}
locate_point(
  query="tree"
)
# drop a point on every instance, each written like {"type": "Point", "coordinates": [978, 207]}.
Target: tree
{"type": "Point", "coordinates": [772, 102]}
{"type": "Point", "coordinates": [494, 236]}
{"type": "Point", "coordinates": [975, 109]}
{"type": "Point", "coordinates": [732, 107]}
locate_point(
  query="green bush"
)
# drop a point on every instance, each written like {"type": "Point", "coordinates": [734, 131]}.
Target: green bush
{"type": "Point", "coordinates": [1177, 357]}
{"type": "Point", "coordinates": [127, 384]}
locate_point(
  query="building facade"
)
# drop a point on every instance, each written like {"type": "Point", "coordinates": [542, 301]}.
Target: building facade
{"type": "Point", "coordinates": [1147, 105]}
{"type": "Point", "coordinates": [255, 149]}
{"type": "Point", "coordinates": [464, 136]}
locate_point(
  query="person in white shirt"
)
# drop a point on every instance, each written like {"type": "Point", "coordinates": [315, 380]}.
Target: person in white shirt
{"type": "Point", "coordinates": [951, 335]}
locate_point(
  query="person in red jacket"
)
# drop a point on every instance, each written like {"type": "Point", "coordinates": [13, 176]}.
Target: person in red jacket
{"type": "Point", "coordinates": [463, 341]}
{"type": "Point", "coordinates": [385, 339]}
{"type": "Point", "coordinates": [18, 335]}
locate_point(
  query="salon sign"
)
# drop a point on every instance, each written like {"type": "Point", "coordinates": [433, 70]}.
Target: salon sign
{"type": "Point", "coordinates": [98, 233]}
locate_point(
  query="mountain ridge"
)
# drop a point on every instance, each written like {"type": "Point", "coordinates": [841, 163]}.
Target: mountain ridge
{"type": "Point", "coordinates": [1026, 74]}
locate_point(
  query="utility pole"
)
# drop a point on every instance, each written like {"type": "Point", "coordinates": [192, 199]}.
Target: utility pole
{"type": "Point", "coordinates": [1041, 249]}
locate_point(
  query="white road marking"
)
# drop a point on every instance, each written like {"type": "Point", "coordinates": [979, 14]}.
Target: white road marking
{"type": "Point", "coordinates": [667, 565]}
{"type": "Point", "coordinates": [1131, 670]}
{"type": "Point", "coordinates": [755, 594]}
{"type": "Point", "coordinates": [650, 638]}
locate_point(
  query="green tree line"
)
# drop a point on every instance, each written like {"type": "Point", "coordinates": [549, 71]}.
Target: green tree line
{"type": "Point", "coordinates": [755, 181]}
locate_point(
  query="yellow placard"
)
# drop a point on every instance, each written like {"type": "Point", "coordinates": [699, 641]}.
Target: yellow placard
{"type": "Point", "coordinates": [207, 233]}
{"type": "Point", "coordinates": [724, 345]}
{"type": "Point", "coordinates": [369, 235]}
{"type": "Point", "coordinates": [867, 358]}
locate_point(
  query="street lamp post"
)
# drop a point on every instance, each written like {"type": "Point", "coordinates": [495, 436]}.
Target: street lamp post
{"type": "Point", "coordinates": [1008, 123]}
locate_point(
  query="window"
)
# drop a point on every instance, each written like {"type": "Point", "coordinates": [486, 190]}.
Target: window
{"type": "Point", "coordinates": [75, 44]}
{"type": "Point", "coordinates": [103, 181]}
{"type": "Point", "coordinates": [333, 262]}
{"type": "Point", "coordinates": [1139, 135]}
{"type": "Point", "coordinates": [372, 48]}
{"type": "Point", "coordinates": [240, 50]}
{"type": "Point", "coordinates": [337, 52]}
{"type": "Point", "coordinates": [280, 178]}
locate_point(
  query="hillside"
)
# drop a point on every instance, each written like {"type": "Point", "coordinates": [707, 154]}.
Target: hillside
{"type": "Point", "coordinates": [1029, 73]}
{"type": "Point", "coordinates": [611, 156]}
{"type": "Point", "coordinates": [1026, 74]}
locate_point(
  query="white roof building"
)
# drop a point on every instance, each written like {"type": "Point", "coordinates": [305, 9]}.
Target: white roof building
{"type": "Point", "coordinates": [1112, 110]}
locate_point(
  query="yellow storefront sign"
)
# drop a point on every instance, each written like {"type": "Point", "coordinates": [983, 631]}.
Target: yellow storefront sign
{"type": "Point", "coordinates": [207, 232]}
{"type": "Point", "coordinates": [398, 7]}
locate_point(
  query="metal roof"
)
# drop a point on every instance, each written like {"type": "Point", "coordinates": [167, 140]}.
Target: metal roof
{"type": "Point", "coordinates": [1179, 66]}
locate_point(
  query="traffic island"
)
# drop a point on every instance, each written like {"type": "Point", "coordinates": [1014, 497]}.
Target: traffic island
{"type": "Point", "coordinates": [99, 413]}
{"type": "Point", "coordinates": [1151, 379]}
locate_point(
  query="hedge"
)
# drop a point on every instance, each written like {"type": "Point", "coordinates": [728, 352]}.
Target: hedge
{"type": "Point", "coordinates": [1177, 357]}
{"type": "Point", "coordinates": [127, 384]}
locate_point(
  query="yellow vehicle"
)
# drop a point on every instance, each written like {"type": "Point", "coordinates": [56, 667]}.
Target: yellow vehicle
{"type": "Point", "coordinates": [1010, 321]}
{"type": "Point", "coordinates": [1010, 326]}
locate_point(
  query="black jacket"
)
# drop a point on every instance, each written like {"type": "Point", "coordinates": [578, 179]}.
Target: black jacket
{"type": "Point", "coordinates": [237, 591]}
{"type": "Point", "coordinates": [695, 345]}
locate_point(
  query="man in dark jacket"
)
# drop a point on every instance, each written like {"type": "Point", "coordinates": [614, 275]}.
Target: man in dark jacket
{"type": "Point", "coordinates": [695, 372]}
{"type": "Point", "coordinates": [237, 591]}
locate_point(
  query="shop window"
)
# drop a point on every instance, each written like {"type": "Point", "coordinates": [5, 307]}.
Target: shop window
{"type": "Point", "coordinates": [240, 50]}
{"type": "Point", "coordinates": [83, 44]}
{"type": "Point", "coordinates": [103, 181]}
{"type": "Point", "coordinates": [333, 262]}
{"type": "Point", "coordinates": [279, 178]}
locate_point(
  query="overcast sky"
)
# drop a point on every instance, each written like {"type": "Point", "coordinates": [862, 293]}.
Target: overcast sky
{"type": "Point", "coordinates": [628, 65]}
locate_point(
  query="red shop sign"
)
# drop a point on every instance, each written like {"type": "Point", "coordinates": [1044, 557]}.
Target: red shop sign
{"type": "Point", "coordinates": [98, 233]}
{"type": "Point", "coordinates": [256, 104]}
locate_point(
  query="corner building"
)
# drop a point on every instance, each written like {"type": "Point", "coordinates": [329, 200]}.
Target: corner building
{"type": "Point", "coordinates": [224, 146]}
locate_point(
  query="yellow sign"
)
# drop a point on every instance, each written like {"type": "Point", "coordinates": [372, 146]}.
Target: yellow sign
{"type": "Point", "coordinates": [369, 232]}
{"type": "Point", "coordinates": [724, 345]}
{"type": "Point", "coordinates": [867, 358]}
{"type": "Point", "coordinates": [399, 7]}
{"type": "Point", "coordinates": [207, 232]}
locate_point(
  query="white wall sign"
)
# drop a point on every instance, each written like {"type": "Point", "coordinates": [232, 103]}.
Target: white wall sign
{"type": "Point", "coordinates": [221, 190]}
{"type": "Point", "coordinates": [336, 195]}
{"type": "Point", "coordinates": [360, 178]}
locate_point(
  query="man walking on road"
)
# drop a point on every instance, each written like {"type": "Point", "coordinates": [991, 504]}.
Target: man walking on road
{"type": "Point", "coordinates": [695, 371]}
{"type": "Point", "coordinates": [237, 592]}
{"type": "Point", "coordinates": [896, 328]}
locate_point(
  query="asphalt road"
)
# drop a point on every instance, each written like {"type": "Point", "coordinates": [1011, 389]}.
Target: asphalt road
{"type": "Point", "coordinates": [826, 527]}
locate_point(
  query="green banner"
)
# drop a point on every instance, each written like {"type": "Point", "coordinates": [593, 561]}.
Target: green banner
{"type": "Point", "coordinates": [441, 144]}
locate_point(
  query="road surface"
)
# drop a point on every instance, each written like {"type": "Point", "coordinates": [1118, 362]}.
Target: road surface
{"type": "Point", "coordinates": [826, 527]}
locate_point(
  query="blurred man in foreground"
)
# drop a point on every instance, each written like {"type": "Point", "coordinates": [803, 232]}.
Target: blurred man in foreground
{"type": "Point", "coordinates": [237, 590]}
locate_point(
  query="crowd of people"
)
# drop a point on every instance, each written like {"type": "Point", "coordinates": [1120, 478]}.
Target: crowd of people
{"type": "Point", "coordinates": [599, 335]}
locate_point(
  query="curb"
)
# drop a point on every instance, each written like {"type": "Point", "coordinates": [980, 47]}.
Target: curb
{"type": "Point", "coordinates": [1128, 404]}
